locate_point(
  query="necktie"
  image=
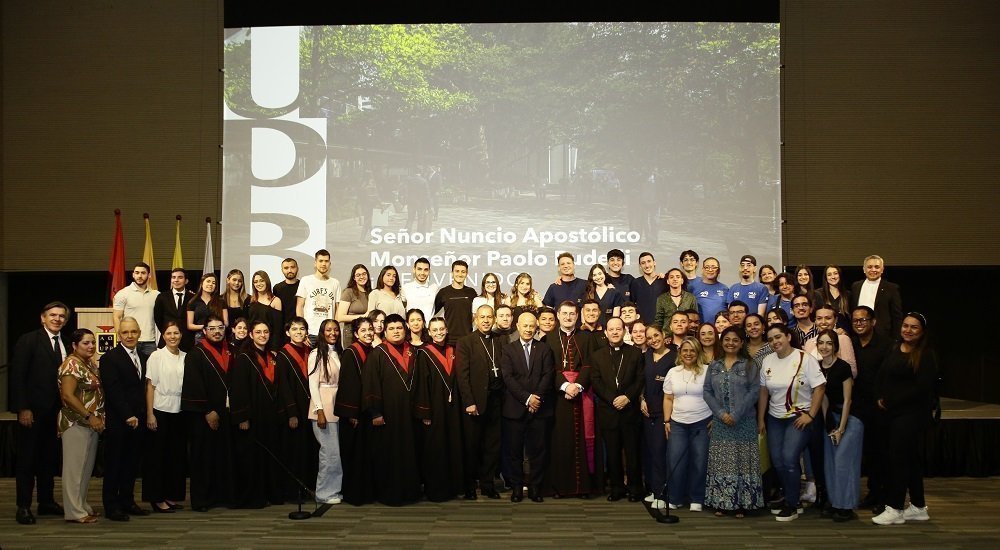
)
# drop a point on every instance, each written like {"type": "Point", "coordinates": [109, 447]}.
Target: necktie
{"type": "Point", "coordinates": [527, 356]}
{"type": "Point", "coordinates": [135, 361]}
{"type": "Point", "coordinates": [55, 346]}
{"type": "Point", "coordinates": [180, 297]}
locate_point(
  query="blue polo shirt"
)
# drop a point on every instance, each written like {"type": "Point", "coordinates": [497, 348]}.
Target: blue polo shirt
{"type": "Point", "coordinates": [712, 298]}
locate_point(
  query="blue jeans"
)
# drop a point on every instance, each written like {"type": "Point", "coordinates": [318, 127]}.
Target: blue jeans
{"type": "Point", "coordinates": [145, 349]}
{"type": "Point", "coordinates": [785, 443]}
{"type": "Point", "coordinates": [687, 456]}
{"type": "Point", "coordinates": [330, 477]}
{"type": "Point", "coordinates": [843, 464]}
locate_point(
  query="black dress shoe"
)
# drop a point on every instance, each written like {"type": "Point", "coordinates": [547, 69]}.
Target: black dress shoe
{"type": "Point", "coordinates": [491, 495]}
{"type": "Point", "coordinates": [615, 497]}
{"type": "Point", "coordinates": [50, 509]}
{"type": "Point", "coordinates": [633, 497]}
{"type": "Point", "coordinates": [470, 495]}
{"type": "Point", "coordinates": [585, 496]}
{"type": "Point", "coordinates": [134, 510]}
{"type": "Point", "coordinates": [556, 496]}
{"type": "Point", "coordinates": [25, 517]}
{"type": "Point", "coordinates": [536, 497]}
{"type": "Point", "coordinates": [517, 495]}
{"type": "Point", "coordinates": [118, 515]}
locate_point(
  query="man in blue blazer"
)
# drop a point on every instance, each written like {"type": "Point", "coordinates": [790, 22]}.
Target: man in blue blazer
{"type": "Point", "coordinates": [123, 374]}
{"type": "Point", "coordinates": [34, 397]}
{"type": "Point", "coordinates": [528, 370]}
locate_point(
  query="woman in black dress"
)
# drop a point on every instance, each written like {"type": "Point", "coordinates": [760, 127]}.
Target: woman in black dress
{"type": "Point", "coordinates": [234, 297]}
{"type": "Point", "coordinates": [265, 306]}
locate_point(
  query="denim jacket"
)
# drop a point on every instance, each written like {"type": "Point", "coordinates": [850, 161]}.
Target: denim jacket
{"type": "Point", "coordinates": [744, 388]}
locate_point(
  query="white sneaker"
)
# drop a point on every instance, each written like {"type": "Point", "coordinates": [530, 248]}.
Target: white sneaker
{"type": "Point", "coordinates": [890, 516]}
{"type": "Point", "coordinates": [695, 507]}
{"type": "Point", "coordinates": [649, 498]}
{"type": "Point", "coordinates": [659, 504]}
{"type": "Point", "coordinates": [675, 506]}
{"type": "Point", "coordinates": [334, 500]}
{"type": "Point", "coordinates": [809, 493]}
{"type": "Point", "coordinates": [914, 513]}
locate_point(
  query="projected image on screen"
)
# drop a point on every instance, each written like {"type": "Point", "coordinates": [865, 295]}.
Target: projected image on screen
{"type": "Point", "coordinates": [503, 145]}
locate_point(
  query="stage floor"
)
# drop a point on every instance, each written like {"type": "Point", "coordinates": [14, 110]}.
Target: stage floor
{"type": "Point", "coordinates": [963, 513]}
{"type": "Point", "coordinates": [960, 409]}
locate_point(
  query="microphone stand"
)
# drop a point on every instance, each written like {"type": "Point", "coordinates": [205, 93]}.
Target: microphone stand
{"type": "Point", "coordinates": [300, 513]}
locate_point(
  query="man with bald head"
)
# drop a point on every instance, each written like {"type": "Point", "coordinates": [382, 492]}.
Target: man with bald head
{"type": "Point", "coordinates": [480, 387]}
{"type": "Point", "coordinates": [123, 375]}
{"type": "Point", "coordinates": [528, 371]}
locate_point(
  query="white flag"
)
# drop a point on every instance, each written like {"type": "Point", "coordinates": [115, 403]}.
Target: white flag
{"type": "Point", "coordinates": [209, 254]}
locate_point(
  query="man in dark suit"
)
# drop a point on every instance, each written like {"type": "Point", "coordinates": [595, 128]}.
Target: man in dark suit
{"type": "Point", "coordinates": [880, 295]}
{"type": "Point", "coordinates": [35, 398]}
{"type": "Point", "coordinates": [477, 364]}
{"type": "Point", "coordinates": [618, 380]}
{"type": "Point", "coordinates": [172, 305]}
{"type": "Point", "coordinates": [528, 369]}
{"type": "Point", "coordinates": [123, 375]}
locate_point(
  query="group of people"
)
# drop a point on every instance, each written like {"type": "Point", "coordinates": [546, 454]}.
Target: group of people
{"type": "Point", "coordinates": [672, 388]}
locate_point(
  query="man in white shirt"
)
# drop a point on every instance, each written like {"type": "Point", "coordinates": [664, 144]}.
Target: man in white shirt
{"type": "Point", "coordinates": [317, 295]}
{"type": "Point", "coordinates": [880, 295]}
{"type": "Point", "coordinates": [138, 301]}
{"type": "Point", "coordinates": [420, 292]}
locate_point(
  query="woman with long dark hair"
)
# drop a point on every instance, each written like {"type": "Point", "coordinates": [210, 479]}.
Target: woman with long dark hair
{"type": "Point", "coordinates": [204, 303]}
{"type": "Point", "coordinates": [804, 284]}
{"type": "Point", "coordinates": [353, 421]}
{"type": "Point", "coordinates": [353, 301]}
{"type": "Point", "coordinates": [844, 431]}
{"type": "Point", "coordinates": [265, 306]}
{"type": "Point", "coordinates": [324, 379]}
{"type": "Point", "coordinates": [757, 347]}
{"type": "Point", "coordinates": [906, 396]}
{"type": "Point", "coordinates": [609, 298]}
{"type": "Point", "coordinates": [657, 361]}
{"type": "Point", "coordinates": [387, 295]}
{"type": "Point", "coordinates": [791, 396]}
{"type": "Point", "coordinates": [489, 293]}
{"type": "Point", "coordinates": [834, 292]}
{"type": "Point", "coordinates": [377, 318]}
{"type": "Point", "coordinates": [732, 387]}
{"type": "Point", "coordinates": [766, 275]}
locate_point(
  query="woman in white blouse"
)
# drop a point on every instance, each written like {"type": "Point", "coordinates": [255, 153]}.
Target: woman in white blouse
{"type": "Point", "coordinates": [163, 483]}
{"type": "Point", "coordinates": [324, 376]}
{"type": "Point", "coordinates": [388, 294]}
{"type": "Point", "coordinates": [686, 417]}
{"type": "Point", "coordinates": [791, 395]}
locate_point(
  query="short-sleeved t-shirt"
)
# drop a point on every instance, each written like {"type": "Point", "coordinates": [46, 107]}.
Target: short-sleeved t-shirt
{"type": "Point", "coordinates": [790, 385]}
{"type": "Point", "coordinates": [711, 297]}
{"type": "Point", "coordinates": [753, 295]}
{"type": "Point", "coordinates": [839, 371]}
{"type": "Point", "coordinates": [688, 390]}
{"type": "Point", "coordinates": [320, 300]}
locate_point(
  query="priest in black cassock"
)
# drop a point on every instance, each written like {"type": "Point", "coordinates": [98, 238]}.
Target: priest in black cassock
{"type": "Point", "coordinates": [436, 385]}
{"type": "Point", "coordinates": [477, 362]}
{"type": "Point", "coordinates": [618, 380]}
{"type": "Point", "coordinates": [299, 447]}
{"type": "Point", "coordinates": [255, 413]}
{"type": "Point", "coordinates": [576, 464]}
{"type": "Point", "coordinates": [354, 423]}
{"type": "Point", "coordinates": [205, 399]}
{"type": "Point", "coordinates": [391, 403]}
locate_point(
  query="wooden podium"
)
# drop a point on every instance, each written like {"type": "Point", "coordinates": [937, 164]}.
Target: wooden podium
{"type": "Point", "coordinates": [101, 321]}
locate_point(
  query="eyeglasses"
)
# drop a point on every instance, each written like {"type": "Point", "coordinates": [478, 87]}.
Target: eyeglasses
{"type": "Point", "coordinates": [215, 328]}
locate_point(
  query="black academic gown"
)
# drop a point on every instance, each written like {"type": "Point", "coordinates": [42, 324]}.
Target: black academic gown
{"type": "Point", "coordinates": [441, 460]}
{"type": "Point", "coordinates": [206, 390]}
{"type": "Point", "coordinates": [299, 447]}
{"type": "Point", "coordinates": [576, 465]}
{"type": "Point", "coordinates": [254, 398]}
{"type": "Point", "coordinates": [388, 391]}
{"type": "Point", "coordinates": [358, 487]}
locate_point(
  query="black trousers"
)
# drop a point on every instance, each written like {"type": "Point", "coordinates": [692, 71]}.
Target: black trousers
{"type": "Point", "coordinates": [623, 439]}
{"type": "Point", "coordinates": [905, 437]}
{"type": "Point", "coordinates": [873, 456]}
{"type": "Point", "coordinates": [165, 459]}
{"type": "Point", "coordinates": [122, 453]}
{"type": "Point", "coordinates": [482, 444]}
{"type": "Point", "coordinates": [38, 455]}
{"type": "Point", "coordinates": [527, 437]}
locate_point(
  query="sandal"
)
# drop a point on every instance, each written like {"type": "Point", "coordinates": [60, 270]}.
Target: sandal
{"type": "Point", "coordinates": [84, 519]}
{"type": "Point", "coordinates": [720, 514]}
{"type": "Point", "coordinates": [740, 514]}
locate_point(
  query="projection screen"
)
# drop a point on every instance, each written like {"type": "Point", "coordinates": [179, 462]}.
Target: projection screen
{"type": "Point", "coordinates": [501, 144]}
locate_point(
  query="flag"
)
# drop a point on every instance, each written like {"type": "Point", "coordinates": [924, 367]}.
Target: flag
{"type": "Point", "coordinates": [147, 255]}
{"type": "Point", "coordinates": [116, 267]}
{"type": "Point", "coordinates": [209, 255]}
{"type": "Point", "coordinates": [178, 257]}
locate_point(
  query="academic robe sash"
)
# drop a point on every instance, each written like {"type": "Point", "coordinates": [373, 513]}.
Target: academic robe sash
{"type": "Point", "coordinates": [222, 358]}
{"type": "Point", "coordinates": [300, 359]}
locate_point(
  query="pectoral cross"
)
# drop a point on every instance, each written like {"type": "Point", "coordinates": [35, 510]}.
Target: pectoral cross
{"type": "Point", "coordinates": [495, 371]}
{"type": "Point", "coordinates": [565, 363]}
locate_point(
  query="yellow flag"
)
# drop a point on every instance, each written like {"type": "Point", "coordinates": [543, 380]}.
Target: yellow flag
{"type": "Point", "coordinates": [178, 257]}
{"type": "Point", "coordinates": [147, 255]}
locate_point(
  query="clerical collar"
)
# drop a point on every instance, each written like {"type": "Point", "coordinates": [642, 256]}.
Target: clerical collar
{"type": "Point", "coordinates": [484, 336]}
{"type": "Point", "coordinates": [616, 348]}
{"type": "Point", "coordinates": [567, 332]}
